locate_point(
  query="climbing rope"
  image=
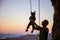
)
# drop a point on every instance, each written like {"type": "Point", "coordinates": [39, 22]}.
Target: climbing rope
{"type": "Point", "coordinates": [39, 16]}
{"type": "Point", "coordinates": [39, 10]}
{"type": "Point", "coordinates": [30, 6]}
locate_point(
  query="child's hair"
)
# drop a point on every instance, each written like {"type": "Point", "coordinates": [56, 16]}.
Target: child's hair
{"type": "Point", "coordinates": [33, 13]}
{"type": "Point", "coordinates": [46, 22]}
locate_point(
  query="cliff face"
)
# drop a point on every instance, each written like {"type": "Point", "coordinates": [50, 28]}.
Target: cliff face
{"type": "Point", "coordinates": [56, 20]}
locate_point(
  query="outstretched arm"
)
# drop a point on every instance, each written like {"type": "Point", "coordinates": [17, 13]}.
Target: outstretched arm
{"type": "Point", "coordinates": [37, 27]}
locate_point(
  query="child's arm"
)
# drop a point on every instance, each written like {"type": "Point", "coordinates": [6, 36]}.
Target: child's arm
{"type": "Point", "coordinates": [35, 18]}
{"type": "Point", "coordinates": [30, 18]}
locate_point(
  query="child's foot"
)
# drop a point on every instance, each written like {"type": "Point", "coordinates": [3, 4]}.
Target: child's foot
{"type": "Point", "coordinates": [31, 31]}
{"type": "Point", "coordinates": [26, 30]}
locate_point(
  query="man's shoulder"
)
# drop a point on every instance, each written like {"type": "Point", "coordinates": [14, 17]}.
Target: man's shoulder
{"type": "Point", "coordinates": [46, 29]}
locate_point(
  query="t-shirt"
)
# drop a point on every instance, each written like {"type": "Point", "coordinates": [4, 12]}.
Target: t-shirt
{"type": "Point", "coordinates": [43, 34]}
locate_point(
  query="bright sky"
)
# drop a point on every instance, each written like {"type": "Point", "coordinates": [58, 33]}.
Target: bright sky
{"type": "Point", "coordinates": [14, 15]}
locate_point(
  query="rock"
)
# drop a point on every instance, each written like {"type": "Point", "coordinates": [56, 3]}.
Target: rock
{"type": "Point", "coordinates": [56, 20]}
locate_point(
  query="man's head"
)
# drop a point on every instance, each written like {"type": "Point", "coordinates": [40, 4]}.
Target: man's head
{"type": "Point", "coordinates": [45, 23]}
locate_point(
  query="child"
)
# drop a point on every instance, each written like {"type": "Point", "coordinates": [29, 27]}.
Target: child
{"type": "Point", "coordinates": [43, 30]}
{"type": "Point", "coordinates": [32, 20]}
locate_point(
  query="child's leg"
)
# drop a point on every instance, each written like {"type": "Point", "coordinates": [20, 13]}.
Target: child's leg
{"type": "Point", "coordinates": [33, 26]}
{"type": "Point", "coordinates": [28, 27]}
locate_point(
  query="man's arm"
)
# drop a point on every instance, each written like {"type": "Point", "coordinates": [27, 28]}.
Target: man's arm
{"type": "Point", "coordinates": [37, 27]}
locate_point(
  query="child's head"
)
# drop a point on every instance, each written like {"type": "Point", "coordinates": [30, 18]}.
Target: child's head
{"type": "Point", "coordinates": [45, 23]}
{"type": "Point", "coordinates": [33, 13]}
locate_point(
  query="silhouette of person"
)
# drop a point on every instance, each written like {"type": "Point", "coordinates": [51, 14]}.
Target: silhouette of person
{"type": "Point", "coordinates": [32, 20]}
{"type": "Point", "coordinates": [43, 30]}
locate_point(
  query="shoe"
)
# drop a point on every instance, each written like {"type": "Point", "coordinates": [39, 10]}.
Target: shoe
{"type": "Point", "coordinates": [31, 31]}
{"type": "Point", "coordinates": [26, 30]}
